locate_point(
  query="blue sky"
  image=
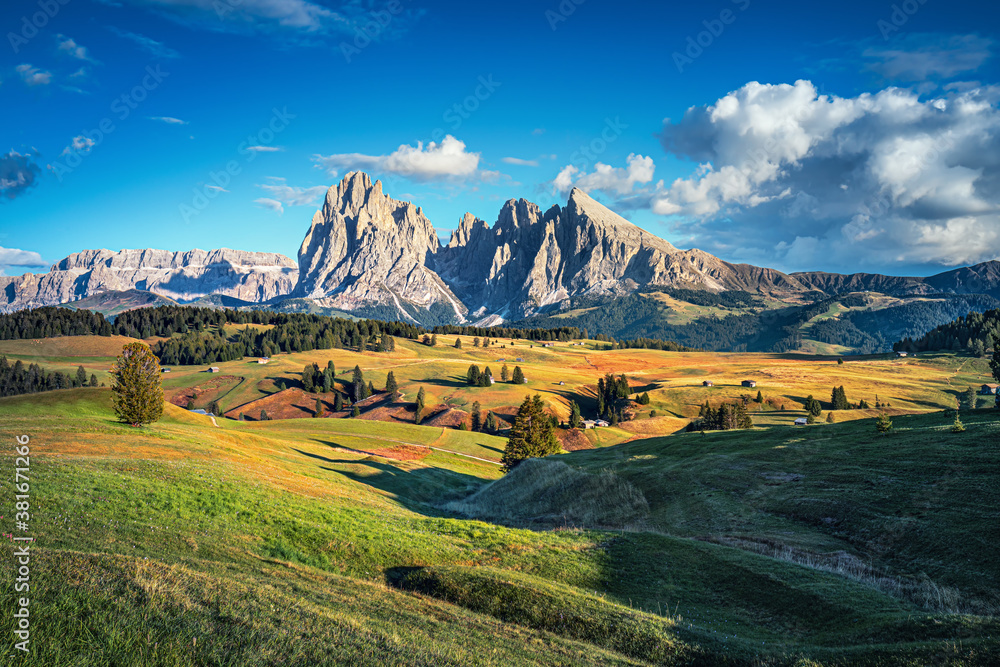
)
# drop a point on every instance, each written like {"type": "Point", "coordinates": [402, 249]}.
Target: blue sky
{"type": "Point", "coordinates": [122, 118]}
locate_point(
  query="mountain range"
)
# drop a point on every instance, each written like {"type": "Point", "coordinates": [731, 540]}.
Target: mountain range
{"type": "Point", "coordinates": [369, 254]}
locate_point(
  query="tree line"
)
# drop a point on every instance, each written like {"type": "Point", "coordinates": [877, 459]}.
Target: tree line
{"type": "Point", "coordinates": [16, 378]}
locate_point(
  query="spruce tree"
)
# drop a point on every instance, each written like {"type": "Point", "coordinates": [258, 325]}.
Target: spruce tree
{"type": "Point", "coordinates": [504, 374]}
{"type": "Point", "coordinates": [338, 402]}
{"type": "Point", "coordinates": [358, 384]}
{"type": "Point", "coordinates": [136, 393]}
{"type": "Point", "coordinates": [458, 343]}
{"type": "Point", "coordinates": [531, 436]}
{"type": "Point", "coordinates": [491, 425]}
{"type": "Point", "coordinates": [355, 411]}
{"type": "Point", "coordinates": [263, 416]}
{"type": "Point", "coordinates": [518, 377]}
{"type": "Point", "coordinates": [575, 420]}
{"type": "Point", "coordinates": [391, 387]}
{"type": "Point", "coordinates": [307, 378]}
{"type": "Point", "coordinates": [477, 417]}
{"type": "Point", "coordinates": [93, 380]}
{"type": "Point", "coordinates": [81, 377]}
{"type": "Point", "coordinates": [883, 424]}
{"type": "Point", "coordinates": [969, 402]}
{"type": "Point", "coordinates": [472, 376]}
{"type": "Point", "coordinates": [420, 406]}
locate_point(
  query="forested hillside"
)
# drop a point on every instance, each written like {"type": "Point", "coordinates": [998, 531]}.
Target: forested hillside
{"type": "Point", "coordinates": [975, 333]}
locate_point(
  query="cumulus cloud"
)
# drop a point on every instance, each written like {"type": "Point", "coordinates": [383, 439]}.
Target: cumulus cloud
{"type": "Point", "coordinates": [18, 174]}
{"type": "Point", "coordinates": [69, 46]}
{"type": "Point", "coordinates": [919, 57]}
{"type": "Point", "coordinates": [169, 120]}
{"type": "Point", "coordinates": [290, 195]}
{"type": "Point", "coordinates": [147, 44]}
{"type": "Point", "coordinates": [270, 204]}
{"type": "Point", "coordinates": [20, 259]}
{"type": "Point", "coordinates": [447, 159]}
{"type": "Point", "coordinates": [612, 180]}
{"type": "Point", "coordinates": [33, 76]}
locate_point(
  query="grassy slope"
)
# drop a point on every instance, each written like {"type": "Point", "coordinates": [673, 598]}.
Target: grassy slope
{"type": "Point", "coordinates": [267, 544]}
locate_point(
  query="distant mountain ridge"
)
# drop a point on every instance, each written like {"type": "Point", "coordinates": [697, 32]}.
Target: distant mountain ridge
{"type": "Point", "coordinates": [370, 254]}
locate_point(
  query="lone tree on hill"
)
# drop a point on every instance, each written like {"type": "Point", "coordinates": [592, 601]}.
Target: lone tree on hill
{"type": "Point", "coordinates": [883, 424]}
{"type": "Point", "coordinates": [264, 416]}
{"type": "Point", "coordinates": [458, 343]}
{"type": "Point", "coordinates": [136, 393]}
{"type": "Point", "coordinates": [760, 397]}
{"type": "Point", "coordinates": [518, 377]}
{"type": "Point", "coordinates": [421, 397]}
{"type": "Point", "coordinates": [969, 399]}
{"type": "Point", "coordinates": [472, 376]}
{"type": "Point", "coordinates": [531, 436]}
{"type": "Point", "coordinates": [504, 373]}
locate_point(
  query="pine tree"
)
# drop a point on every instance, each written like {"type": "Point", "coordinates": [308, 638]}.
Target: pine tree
{"type": "Point", "coordinates": [318, 411]}
{"type": "Point", "coordinates": [475, 343]}
{"type": "Point", "coordinates": [504, 373]}
{"type": "Point", "coordinates": [358, 384]}
{"type": "Point", "coordinates": [531, 435]}
{"type": "Point", "coordinates": [263, 416]}
{"type": "Point", "coordinates": [969, 402]}
{"type": "Point", "coordinates": [883, 424]}
{"type": "Point", "coordinates": [420, 406]}
{"type": "Point", "coordinates": [93, 380]}
{"type": "Point", "coordinates": [472, 376]}
{"type": "Point", "coordinates": [575, 420]}
{"type": "Point", "coordinates": [957, 426]}
{"type": "Point", "coordinates": [136, 393]}
{"type": "Point", "coordinates": [214, 409]}
{"type": "Point", "coordinates": [391, 387]}
{"type": "Point", "coordinates": [307, 378]}
{"type": "Point", "coordinates": [338, 402]}
{"type": "Point", "coordinates": [477, 417]}
{"type": "Point", "coordinates": [434, 340]}
{"type": "Point", "coordinates": [760, 397]}
{"type": "Point", "coordinates": [491, 423]}
{"type": "Point", "coordinates": [355, 411]}
{"type": "Point", "coordinates": [518, 377]}
{"type": "Point", "coordinates": [81, 377]}
{"type": "Point", "coordinates": [458, 343]}
{"type": "Point", "coordinates": [242, 417]}
{"type": "Point", "coordinates": [370, 389]}
{"type": "Point", "coordinates": [829, 418]}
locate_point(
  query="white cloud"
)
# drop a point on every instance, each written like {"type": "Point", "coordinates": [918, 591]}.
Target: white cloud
{"type": "Point", "coordinates": [33, 76]}
{"type": "Point", "coordinates": [290, 195]}
{"type": "Point", "coordinates": [270, 204]}
{"type": "Point", "coordinates": [918, 57]}
{"type": "Point", "coordinates": [169, 120]}
{"type": "Point", "coordinates": [80, 144]}
{"type": "Point", "coordinates": [265, 149]}
{"type": "Point", "coordinates": [216, 188]}
{"type": "Point", "coordinates": [447, 159]}
{"type": "Point", "coordinates": [22, 259]}
{"type": "Point", "coordinates": [147, 44]}
{"type": "Point", "coordinates": [69, 46]}
{"type": "Point", "coordinates": [613, 180]}
{"type": "Point", "coordinates": [520, 162]}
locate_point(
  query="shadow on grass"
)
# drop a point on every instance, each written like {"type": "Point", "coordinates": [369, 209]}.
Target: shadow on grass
{"type": "Point", "coordinates": [419, 489]}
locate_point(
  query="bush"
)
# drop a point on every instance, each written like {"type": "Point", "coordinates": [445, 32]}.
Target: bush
{"type": "Point", "coordinates": [883, 424]}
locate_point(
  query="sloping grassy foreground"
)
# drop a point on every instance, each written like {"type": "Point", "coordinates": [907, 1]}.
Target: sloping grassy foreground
{"type": "Point", "coordinates": [270, 544]}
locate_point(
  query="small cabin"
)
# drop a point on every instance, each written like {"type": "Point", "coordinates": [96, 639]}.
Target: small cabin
{"type": "Point", "coordinates": [519, 359]}
{"type": "Point", "coordinates": [499, 360]}
{"type": "Point", "coordinates": [801, 421]}
{"type": "Point", "coordinates": [588, 423]}
{"type": "Point", "coordinates": [524, 381]}
{"type": "Point", "coordinates": [492, 381]}
{"type": "Point", "coordinates": [549, 345]}
{"type": "Point", "coordinates": [989, 389]}
{"type": "Point", "coordinates": [263, 360]}
{"type": "Point", "coordinates": [901, 354]}
{"type": "Point", "coordinates": [707, 383]}
{"type": "Point", "coordinates": [601, 422]}
{"type": "Point", "coordinates": [213, 369]}
{"type": "Point", "coordinates": [749, 383]}
{"type": "Point", "coordinates": [164, 370]}
{"type": "Point", "coordinates": [561, 383]}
